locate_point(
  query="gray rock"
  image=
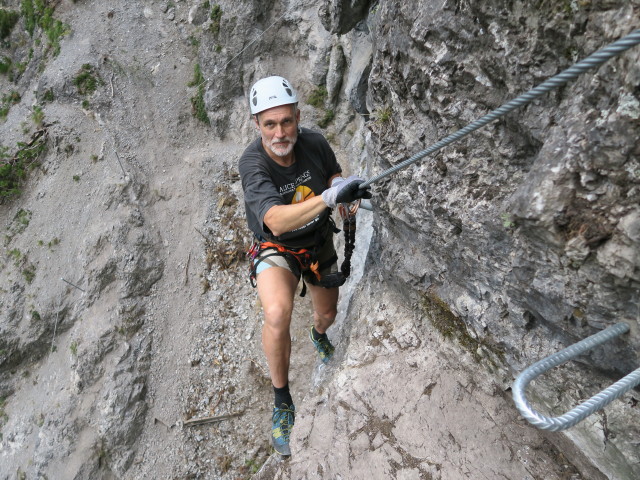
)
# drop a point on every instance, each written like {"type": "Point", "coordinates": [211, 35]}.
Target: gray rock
{"type": "Point", "coordinates": [340, 16]}
{"type": "Point", "coordinates": [198, 14]}
{"type": "Point", "coordinates": [335, 75]}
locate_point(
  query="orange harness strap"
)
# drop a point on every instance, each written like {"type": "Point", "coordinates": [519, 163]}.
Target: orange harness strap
{"type": "Point", "coordinates": [305, 257]}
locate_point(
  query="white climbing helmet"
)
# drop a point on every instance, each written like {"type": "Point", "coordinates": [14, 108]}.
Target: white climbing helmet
{"type": "Point", "coordinates": [271, 92]}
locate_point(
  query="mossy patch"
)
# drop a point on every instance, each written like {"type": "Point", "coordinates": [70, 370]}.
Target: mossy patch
{"type": "Point", "coordinates": [8, 20]}
{"type": "Point", "coordinates": [14, 168]}
{"type": "Point", "coordinates": [86, 80]}
{"type": "Point", "coordinates": [197, 101]}
{"type": "Point", "coordinates": [318, 97]}
{"type": "Point", "coordinates": [216, 17]}
{"type": "Point", "coordinates": [452, 327]}
{"type": "Point", "coordinates": [7, 102]}
{"type": "Point", "coordinates": [37, 13]}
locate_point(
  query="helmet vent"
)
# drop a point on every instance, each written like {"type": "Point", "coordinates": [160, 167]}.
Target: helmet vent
{"type": "Point", "coordinates": [287, 88]}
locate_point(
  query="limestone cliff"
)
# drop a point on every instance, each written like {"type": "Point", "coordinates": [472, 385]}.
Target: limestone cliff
{"type": "Point", "coordinates": [516, 241]}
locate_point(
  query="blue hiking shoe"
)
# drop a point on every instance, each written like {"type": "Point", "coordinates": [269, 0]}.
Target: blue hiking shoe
{"type": "Point", "coordinates": [323, 346]}
{"type": "Point", "coordinates": [282, 420]}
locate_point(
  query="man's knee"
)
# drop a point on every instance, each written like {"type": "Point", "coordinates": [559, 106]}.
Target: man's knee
{"type": "Point", "coordinates": [277, 316]}
{"type": "Point", "coordinates": [327, 314]}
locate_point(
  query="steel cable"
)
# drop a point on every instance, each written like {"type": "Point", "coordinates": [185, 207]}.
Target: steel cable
{"type": "Point", "coordinates": [585, 409]}
{"type": "Point", "coordinates": [556, 81]}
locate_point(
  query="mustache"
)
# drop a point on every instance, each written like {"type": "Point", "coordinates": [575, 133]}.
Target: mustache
{"type": "Point", "coordinates": [289, 140]}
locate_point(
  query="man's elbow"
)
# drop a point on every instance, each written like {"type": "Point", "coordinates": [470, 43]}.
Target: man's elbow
{"type": "Point", "coordinates": [275, 232]}
{"type": "Point", "coordinates": [271, 222]}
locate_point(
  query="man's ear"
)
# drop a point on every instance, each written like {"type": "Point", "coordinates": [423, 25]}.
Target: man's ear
{"type": "Point", "coordinates": [255, 119]}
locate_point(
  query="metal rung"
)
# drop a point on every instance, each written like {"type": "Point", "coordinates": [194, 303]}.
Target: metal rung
{"type": "Point", "coordinates": [585, 409]}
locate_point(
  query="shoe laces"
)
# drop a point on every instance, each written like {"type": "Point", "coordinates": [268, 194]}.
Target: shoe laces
{"type": "Point", "coordinates": [324, 343]}
{"type": "Point", "coordinates": [285, 418]}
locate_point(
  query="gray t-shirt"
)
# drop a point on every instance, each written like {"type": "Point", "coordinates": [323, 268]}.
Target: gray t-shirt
{"type": "Point", "coordinates": [266, 184]}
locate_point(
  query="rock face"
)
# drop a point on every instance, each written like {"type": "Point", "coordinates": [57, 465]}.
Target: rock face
{"type": "Point", "coordinates": [523, 232]}
{"type": "Point", "coordinates": [521, 236]}
{"type": "Point", "coordinates": [118, 322]}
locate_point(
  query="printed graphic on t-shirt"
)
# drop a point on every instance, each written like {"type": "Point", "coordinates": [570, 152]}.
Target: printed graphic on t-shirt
{"type": "Point", "coordinates": [302, 193]}
{"type": "Point", "coordinates": [291, 187]}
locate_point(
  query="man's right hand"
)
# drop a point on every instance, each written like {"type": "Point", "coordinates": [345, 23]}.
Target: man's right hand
{"type": "Point", "coordinates": [346, 191]}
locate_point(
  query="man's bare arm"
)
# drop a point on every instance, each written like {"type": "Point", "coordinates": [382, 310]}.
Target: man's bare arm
{"type": "Point", "coordinates": [285, 218]}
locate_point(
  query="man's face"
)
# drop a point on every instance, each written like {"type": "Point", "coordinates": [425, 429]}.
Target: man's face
{"type": "Point", "coordinates": [279, 129]}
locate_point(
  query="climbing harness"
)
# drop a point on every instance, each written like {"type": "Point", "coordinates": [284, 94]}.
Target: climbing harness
{"type": "Point", "coordinates": [562, 78]}
{"type": "Point", "coordinates": [585, 409]}
{"type": "Point", "coordinates": [301, 260]}
{"type": "Point", "coordinates": [298, 259]}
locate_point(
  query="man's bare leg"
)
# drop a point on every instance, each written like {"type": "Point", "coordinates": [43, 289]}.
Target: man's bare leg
{"type": "Point", "coordinates": [276, 290]}
{"type": "Point", "coordinates": [325, 307]}
{"type": "Point", "coordinates": [324, 314]}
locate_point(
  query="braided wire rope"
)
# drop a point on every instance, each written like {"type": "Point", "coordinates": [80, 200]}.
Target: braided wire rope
{"type": "Point", "coordinates": [556, 81]}
{"type": "Point", "coordinates": [582, 411]}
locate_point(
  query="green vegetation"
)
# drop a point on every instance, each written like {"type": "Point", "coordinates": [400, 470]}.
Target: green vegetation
{"type": "Point", "coordinates": [252, 466]}
{"type": "Point", "coordinates": [8, 20]}
{"type": "Point", "coordinates": [195, 42]}
{"type": "Point", "coordinates": [47, 97]}
{"type": "Point", "coordinates": [29, 14]}
{"type": "Point", "coordinates": [14, 168]}
{"type": "Point", "coordinates": [87, 80]}
{"type": "Point", "coordinates": [22, 218]}
{"type": "Point", "coordinates": [18, 225]}
{"type": "Point", "coordinates": [15, 255]}
{"type": "Point", "coordinates": [37, 116]}
{"type": "Point", "coordinates": [55, 30]}
{"type": "Point", "coordinates": [74, 348]}
{"type": "Point", "coordinates": [327, 119]}
{"type": "Point", "coordinates": [507, 220]}
{"type": "Point", "coordinates": [6, 103]}
{"type": "Point", "coordinates": [29, 273]}
{"type": "Point", "coordinates": [318, 97]}
{"type": "Point", "coordinates": [197, 101]}
{"type": "Point", "coordinates": [383, 115]}
{"type": "Point", "coordinates": [216, 17]}
{"type": "Point", "coordinates": [3, 415]}
{"type": "Point", "coordinates": [5, 65]}
{"type": "Point", "coordinates": [36, 13]}
{"type": "Point", "coordinates": [453, 327]}
{"type": "Point", "coordinates": [76, 178]}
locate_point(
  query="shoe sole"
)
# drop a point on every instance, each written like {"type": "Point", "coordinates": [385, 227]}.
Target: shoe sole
{"type": "Point", "coordinates": [286, 450]}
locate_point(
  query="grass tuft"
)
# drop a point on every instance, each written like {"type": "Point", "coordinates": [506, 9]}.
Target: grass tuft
{"type": "Point", "coordinates": [197, 101]}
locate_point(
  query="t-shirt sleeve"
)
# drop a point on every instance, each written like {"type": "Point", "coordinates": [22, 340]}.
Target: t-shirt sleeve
{"type": "Point", "coordinates": [260, 193]}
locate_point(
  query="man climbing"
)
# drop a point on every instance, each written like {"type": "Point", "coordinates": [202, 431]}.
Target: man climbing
{"type": "Point", "coordinates": [291, 181]}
